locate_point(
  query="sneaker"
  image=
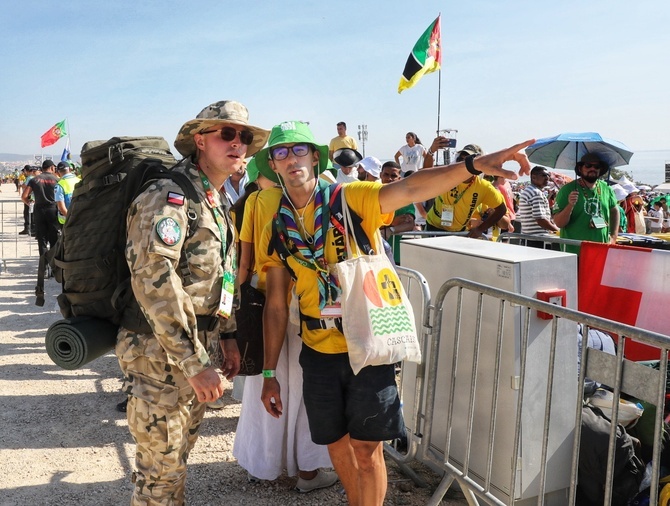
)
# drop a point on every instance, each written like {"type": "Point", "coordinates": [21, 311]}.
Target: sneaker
{"type": "Point", "coordinates": [217, 404]}
{"type": "Point", "coordinates": [252, 479]}
{"type": "Point", "coordinates": [322, 480]}
{"type": "Point", "coordinates": [24, 232]}
{"type": "Point", "coordinates": [122, 406]}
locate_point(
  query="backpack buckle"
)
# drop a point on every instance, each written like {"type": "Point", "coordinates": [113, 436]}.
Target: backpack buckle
{"type": "Point", "coordinates": [112, 179]}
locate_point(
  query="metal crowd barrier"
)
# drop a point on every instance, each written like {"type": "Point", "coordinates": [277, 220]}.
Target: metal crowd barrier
{"type": "Point", "coordinates": [550, 241]}
{"type": "Point", "coordinates": [11, 223]}
{"type": "Point", "coordinates": [420, 234]}
{"type": "Point", "coordinates": [418, 292]}
{"type": "Point", "coordinates": [643, 383]}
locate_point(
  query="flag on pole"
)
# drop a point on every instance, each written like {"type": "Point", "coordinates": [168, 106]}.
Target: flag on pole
{"type": "Point", "coordinates": [53, 134]}
{"type": "Point", "coordinates": [66, 151]}
{"type": "Point", "coordinates": [426, 57]}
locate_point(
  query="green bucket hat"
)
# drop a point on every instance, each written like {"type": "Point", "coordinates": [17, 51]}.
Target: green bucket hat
{"type": "Point", "coordinates": [290, 132]}
{"type": "Point", "coordinates": [252, 170]}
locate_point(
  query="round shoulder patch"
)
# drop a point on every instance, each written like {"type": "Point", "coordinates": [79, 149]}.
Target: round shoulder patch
{"type": "Point", "coordinates": [168, 231]}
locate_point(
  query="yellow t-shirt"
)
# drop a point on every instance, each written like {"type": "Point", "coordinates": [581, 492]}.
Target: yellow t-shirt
{"type": "Point", "coordinates": [342, 142]}
{"type": "Point", "coordinates": [363, 199]}
{"type": "Point", "coordinates": [259, 209]}
{"type": "Point", "coordinates": [464, 198]}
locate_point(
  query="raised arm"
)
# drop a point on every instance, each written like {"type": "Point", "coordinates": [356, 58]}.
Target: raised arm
{"type": "Point", "coordinates": [428, 183]}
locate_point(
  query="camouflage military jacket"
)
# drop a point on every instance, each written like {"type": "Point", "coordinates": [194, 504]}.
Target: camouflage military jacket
{"type": "Point", "coordinates": [157, 231]}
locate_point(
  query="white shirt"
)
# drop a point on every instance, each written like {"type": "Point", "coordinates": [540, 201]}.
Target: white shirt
{"type": "Point", "coordinates": [230, 191]}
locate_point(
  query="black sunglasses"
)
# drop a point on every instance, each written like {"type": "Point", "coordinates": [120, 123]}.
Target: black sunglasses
{"type": "Point", "coordinates": [592, 165]}
{"type": "Point", "coordinates": [229, 133]}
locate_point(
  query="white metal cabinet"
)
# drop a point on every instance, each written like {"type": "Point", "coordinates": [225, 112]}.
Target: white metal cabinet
{"type": "Point", "coordinates": [521, 270]}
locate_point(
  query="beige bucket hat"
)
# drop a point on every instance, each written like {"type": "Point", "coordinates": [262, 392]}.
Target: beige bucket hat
{"type": "Point", "coordinates": [222, 112]}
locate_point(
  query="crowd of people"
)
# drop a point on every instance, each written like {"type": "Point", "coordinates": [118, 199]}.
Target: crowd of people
{"type": "Point", "coordinates": [265, 193]}
{"type": "Point", "coordinates": [46, 192]}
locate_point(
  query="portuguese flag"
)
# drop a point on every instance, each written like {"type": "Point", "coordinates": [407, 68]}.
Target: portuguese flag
{"type": "Point", "coordinates": [53, 134]}
{"type": "Point", "coordinates": [426, 57]}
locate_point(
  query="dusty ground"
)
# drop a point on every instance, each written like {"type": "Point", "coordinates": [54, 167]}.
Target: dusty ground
{"type": "Point", "coordinates": [62, 442]}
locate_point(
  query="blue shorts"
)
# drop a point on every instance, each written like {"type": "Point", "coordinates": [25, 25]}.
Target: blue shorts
{"type": "Point", "coordinates": [365, 406]}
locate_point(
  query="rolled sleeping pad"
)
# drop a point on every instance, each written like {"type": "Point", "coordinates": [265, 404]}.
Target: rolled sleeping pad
{"type": "Point", "coordinates": [73, 342]}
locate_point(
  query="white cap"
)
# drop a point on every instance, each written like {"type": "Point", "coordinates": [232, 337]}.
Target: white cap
{"type": "Point", "coordinates": [619, 191]}
{"type": "Point", "coordinates": [371, 165]}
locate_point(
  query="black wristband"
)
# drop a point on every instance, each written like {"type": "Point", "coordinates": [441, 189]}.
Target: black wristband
{"type": "Point", "coordinates": [224, 336]}
{"type": "Point", "coordinates": [470, 165]}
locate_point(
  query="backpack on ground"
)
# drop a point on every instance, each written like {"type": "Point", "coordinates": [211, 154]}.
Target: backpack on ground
{"type": "Point", "coordinates": [593, 457]}
{"type": "Point", "coordinates": [89, 258]}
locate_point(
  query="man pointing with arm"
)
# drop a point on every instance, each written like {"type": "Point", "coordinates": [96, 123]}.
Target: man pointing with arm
{"type": "Point", "coordinates": [351, 414]}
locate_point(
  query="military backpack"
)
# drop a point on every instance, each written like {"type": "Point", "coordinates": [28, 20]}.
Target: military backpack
{"type": "Point", "coordinates": [89, 258]}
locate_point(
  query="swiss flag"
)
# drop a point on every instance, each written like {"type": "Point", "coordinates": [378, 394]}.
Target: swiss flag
{"type": "Point", "coordinates": [627, 284]}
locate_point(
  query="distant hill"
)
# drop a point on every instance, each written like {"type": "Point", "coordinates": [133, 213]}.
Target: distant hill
{"type": "Point", "coordinates": [12, 157]}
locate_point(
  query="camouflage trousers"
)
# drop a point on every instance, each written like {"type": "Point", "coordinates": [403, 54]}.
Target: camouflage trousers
{"type": "Point", "coordinates": [164, 417]}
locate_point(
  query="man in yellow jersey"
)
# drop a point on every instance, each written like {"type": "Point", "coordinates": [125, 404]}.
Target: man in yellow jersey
{"type": "Point", "coordinates": [453, 209]}
{"type": "Point", "coordinates": [351, 414]}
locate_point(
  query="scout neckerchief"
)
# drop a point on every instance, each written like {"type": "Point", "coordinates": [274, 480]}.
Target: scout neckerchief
{"type": "Point", "coordinates": [228, 282]}
{"type": "Point", "coordinates": [310, 256]}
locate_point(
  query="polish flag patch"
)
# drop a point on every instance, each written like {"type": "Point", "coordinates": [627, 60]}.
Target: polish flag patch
{"type": "Point", "coordinates": [175, 198]}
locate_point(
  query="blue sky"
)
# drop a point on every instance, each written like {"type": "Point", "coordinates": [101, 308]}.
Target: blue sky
{"type": "Point", "coordinates": [511, 70]}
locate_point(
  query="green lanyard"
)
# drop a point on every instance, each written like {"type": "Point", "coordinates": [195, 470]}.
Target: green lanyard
{"type": "Point", "coordinates": [211, 201]}
{"type": "Point", "coordinates": [595, 199]}
{"type": "Point", "coordinates": [228, 278]}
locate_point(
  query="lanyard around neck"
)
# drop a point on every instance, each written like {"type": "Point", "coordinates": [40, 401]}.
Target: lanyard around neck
{"type": "Point", "coordinates": [212, 204]}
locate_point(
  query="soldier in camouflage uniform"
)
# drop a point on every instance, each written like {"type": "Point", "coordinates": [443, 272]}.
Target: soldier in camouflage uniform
{"type": "Point", "coordinates": [168, 374]}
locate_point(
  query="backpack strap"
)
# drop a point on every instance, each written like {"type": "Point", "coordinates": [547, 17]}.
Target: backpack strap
{"type": "Point", "coordinates": [337, 219]}
{"type": "Point", "coordinates": [193, 214]}
{"type": "Point", "coordinates": [276, 244]}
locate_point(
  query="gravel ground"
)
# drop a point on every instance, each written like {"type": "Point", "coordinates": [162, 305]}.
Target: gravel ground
{"type": "Point", "coordinates": [62, 441]}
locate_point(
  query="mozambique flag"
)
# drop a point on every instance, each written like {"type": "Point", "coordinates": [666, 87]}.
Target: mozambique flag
{"type": "Point", "coordinates": [53, 134]}
{"type": "Point", "coordinates": [426, 57]}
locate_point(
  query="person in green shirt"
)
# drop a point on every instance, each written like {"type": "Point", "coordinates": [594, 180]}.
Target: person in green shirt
{"type": "Point", "coordinates": [586, 208]}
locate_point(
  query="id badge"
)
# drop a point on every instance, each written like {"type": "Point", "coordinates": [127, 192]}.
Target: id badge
{"type": "Point", "coordinates": [598, 222]}
{"type": "Point", "coordinates": [447, 217]}
{"type": "Point", "coordinates": [333, 310]}
{"type": "Point", "coordinates": [227, 293]}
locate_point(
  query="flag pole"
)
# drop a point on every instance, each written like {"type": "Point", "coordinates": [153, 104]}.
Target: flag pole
{"type": "Point", "coordinates": [439, 90]}
{"type": "Point", "coordinates": [439, 98]}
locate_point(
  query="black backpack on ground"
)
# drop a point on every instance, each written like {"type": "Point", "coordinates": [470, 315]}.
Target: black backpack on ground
{"type": "Point", "coordinates": [89, 258]}
{"type": "Point", "coordinates": [593, 450]}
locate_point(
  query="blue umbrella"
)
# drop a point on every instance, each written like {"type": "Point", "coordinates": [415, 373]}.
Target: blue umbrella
{"type": "Point", "coordinates": [565, 150]}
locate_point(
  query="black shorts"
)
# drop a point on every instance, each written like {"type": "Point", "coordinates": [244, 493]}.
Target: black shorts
{"type": "Point", "coordinates": [366, 406]}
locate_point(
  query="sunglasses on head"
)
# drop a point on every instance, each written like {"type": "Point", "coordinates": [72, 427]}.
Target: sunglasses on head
{"type": "Point", "coordinates": [281, 152]}
{"type": "Point", "coordinates": [229, 133]}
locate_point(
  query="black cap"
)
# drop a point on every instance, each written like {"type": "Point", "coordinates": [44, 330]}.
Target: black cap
{"type": "Point", "coordinates": [47, 163]}
{"type": "Point", "coordinates": [62, 166]}
{"type": "Point", "coordinates": [347, 157]}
